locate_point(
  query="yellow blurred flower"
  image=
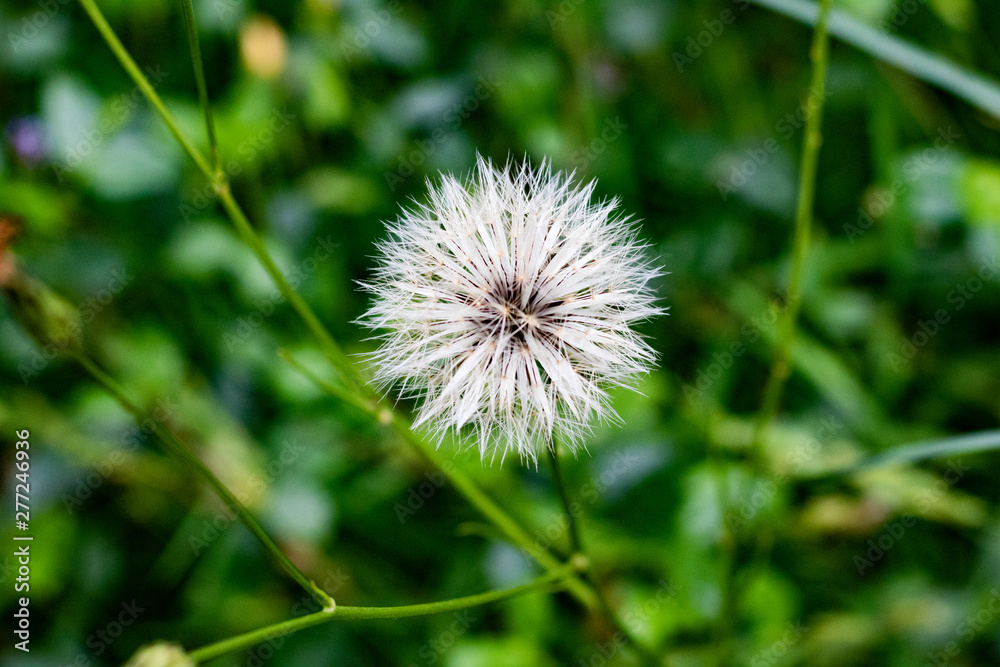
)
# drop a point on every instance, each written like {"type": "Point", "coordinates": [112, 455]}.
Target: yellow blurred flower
{"type": "Point", "coordinates": [263, 47]}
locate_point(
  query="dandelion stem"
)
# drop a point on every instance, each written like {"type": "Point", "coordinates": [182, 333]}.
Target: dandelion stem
{"type": "Point", "coordinates": [175, 446]}
{"type": "Point", "coordinates": [585, 590]}
{"type": "Point", "coordinates": [143, 84]}
{"type": "Point", "coordinates": [284, 628]}
{"type": "Point", "coordinates": [199, 75]}
{"type": "Point", "coordinates": [576, 545]}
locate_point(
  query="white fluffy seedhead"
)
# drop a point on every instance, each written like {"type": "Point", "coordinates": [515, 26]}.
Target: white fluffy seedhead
{"type": "Point", "coordinates": [506, 306]}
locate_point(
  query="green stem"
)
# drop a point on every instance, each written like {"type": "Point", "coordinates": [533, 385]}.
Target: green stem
{"type": "Point", "coordinates": [175, 446]}
{"type": "Point", "coordinates": [576, 545]}
{"type": "Point", "coordinates": [319, 332]}
{"type": "Point", "coordinates": [331, 349]}
{"type": "Point", "coordinates": [583, 589]}
{"type": "Point", "coordinates": [371, 613]}
{"type": "Point", "coordinates": [582, 559]}
{"type": "Point", "coordinates": [199, 75]}
{"type": "Point", "coordinates": [365, 404]}
{"type": "Point", "coordinates": [811, 142]}
{"type": "Point", "coordinates": [781, 364]}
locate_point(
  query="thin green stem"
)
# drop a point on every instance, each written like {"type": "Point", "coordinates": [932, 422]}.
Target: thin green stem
{"type": "Point", "coordinates": [328, 344]}
{"type": "Point", "coordinates": [576, 545]}
{"type": "Point", "coordinates": [331, 349]}
{"type": "Point", "coordinates": [365, 404]}
{"type": "Point", "coordinates": [489, 509]}
{"type": "Point", "coordinates": [175, 446]}
{"type": "Point", "coordinates": [373, 613]}
{"type": "Point", "coordinates": [781, 364]}
{"type": "Point", "coordinates": [980, 91]}
{"type": "Point", "coordinates": [582, 559]}
{"type": "Point", "coordinates": [199, 75]}
{"type": "Point", "coordinates": [584, 588]}
{"type": "Point", "coordinates": [811, 142]}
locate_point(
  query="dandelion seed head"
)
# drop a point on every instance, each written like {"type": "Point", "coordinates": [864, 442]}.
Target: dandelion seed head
{"type": "Point", "coordinates": [506, 307]}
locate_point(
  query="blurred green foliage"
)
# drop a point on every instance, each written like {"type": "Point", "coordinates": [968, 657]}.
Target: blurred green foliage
{"type": "Point", "coordinates": [330, 114]}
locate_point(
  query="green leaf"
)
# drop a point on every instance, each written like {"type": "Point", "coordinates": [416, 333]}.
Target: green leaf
{"type": "Point", "coordinates": [972, 443]}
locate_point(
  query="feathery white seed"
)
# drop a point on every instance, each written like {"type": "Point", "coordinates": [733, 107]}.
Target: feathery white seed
{"type": "Point", "coordinates": [506, 307]}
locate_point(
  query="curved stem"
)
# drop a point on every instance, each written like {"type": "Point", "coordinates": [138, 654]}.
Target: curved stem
{"type": "Point", "coordinates": [371, 613]}
{"type": "Point", "coordinates": [175, 446]}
